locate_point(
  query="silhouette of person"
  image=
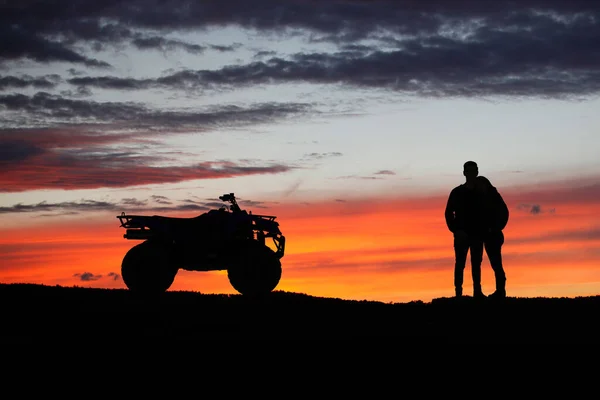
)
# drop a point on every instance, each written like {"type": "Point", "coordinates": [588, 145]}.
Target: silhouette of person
{"type": "Point", "coordinates": [495, 217]}
{"type": "Point", "coordinates": [463, 218]}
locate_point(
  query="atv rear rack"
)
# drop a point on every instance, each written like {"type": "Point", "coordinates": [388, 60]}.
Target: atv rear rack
{"type": "Point", "coordinates": [135, 226]}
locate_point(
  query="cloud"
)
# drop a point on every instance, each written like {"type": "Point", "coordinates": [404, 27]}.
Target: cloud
{"type": "Point", "coordinates": [128, 205]}
{"type": "Point", "coordinates": [78, 93]}
{"type": "Point", "coordinates": [20, 43]}
{"type": "Point", "coordinates": [15, 150]}
{"type": "Point", "coordinates": [432, 48]}
{"type": "Point", "coordinates": [161, 200]}
{"type": "Point", "coordinates": [534, 209]}
{"type": "Point", "coordinates": [87, 276]}
{"type": "Point", "coordinates": [114, 276]}
{"type": "Point", "coordinates": [67, 206]}
{"type": "Point", "coordinates": [72, 172]}
{"type": "Point", "coordinates": [83, 155]}
{"type": "Point", "coordinates": [292, 188]}
{"type": "Point", "coordinates": [571, 235]}
{"type": "Point", "coordinates": [164, 45]}
{"type": "Point", "coordinates": [370, 178]}
{"type": "Point", "coordinates": [572, 192]}
{"type": "Point", "coordinates": [134, 202]}
{"type": "Point", "coordinates": [381, 174]}
{"type": "Point", "coordinates": [438, 67]}
{"type": "Point", "coordinates": [45, 108]}
{"type": "Point", "coordinates": [385, 172]}
{"type": "Point", "coordinates": [26, 81]}
{"type": "Point", "coordinates": [320, 156]}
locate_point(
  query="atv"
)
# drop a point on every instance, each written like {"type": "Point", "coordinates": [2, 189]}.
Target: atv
{"type": "Point", "coordinates": [227, 238]}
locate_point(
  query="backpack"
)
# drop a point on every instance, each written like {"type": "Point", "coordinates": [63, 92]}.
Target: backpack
{"type": "Point", "coordinates": [500, 211]}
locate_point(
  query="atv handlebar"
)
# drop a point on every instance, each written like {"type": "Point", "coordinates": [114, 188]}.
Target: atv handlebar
{"type": "Point", "coordinates": [230, 197]}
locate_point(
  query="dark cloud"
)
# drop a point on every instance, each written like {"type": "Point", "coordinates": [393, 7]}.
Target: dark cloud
{"type": "Point", "coordinates": [54, 108]}
{"type": "Point", "coordinates": [127, 205]}
{"type": "Point", "coordinates": [114, 276]}
{"type": "Point", "coordinates": [87, 19]}
{"type": "Point", "coordinates": [436, 67]}
{"type": "Point", "coordinates": [251, 203]}
{"type": "Point", "coordinates": [432, 48]}
{"type": "Point", "coordinates": [320, 156]}
{"type": "Point", "coordinates": [68, 206]}
{"type": "Point", "coordinates": [165, 45]}
{"type": "Point", "coordinates": [77, 93]}
{"type": "Point", "coordinates": [134, 202]}
{"type": "Point", "coordinates": [225, 49]}
{"type": "Point", "coordinates": [265, 54]}
{"type": "Point", "coordinates": [74, 72]}
{"type": "Point", "coordinates": [15, 150]}
{"type": "Point", "coordinates": [534, 209]}
{"type": "Point", "coordinates": [161, 200]}
{"type": "Point", "coordinates": [113, 82]}
{"type": "Point", "coordinates": [25, 81]}
{"type": "Point", "coordinates": [385, 172]}
{"type": "Point", "coordinates": [87, 276]}
{"type": "Point", "coordinates": [19, 43]}
{"type": "Point", "coordinates": [362, 177]}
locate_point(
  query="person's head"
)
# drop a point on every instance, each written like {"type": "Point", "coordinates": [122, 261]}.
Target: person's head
{"type": "Point", "coordinates": [482, 183]}
{"type": "Point", "coordinates": [470, 170]}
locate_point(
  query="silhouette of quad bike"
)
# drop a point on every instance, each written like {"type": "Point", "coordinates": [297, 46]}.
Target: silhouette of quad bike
{"type": "Point", "coordinates": [222, 239]}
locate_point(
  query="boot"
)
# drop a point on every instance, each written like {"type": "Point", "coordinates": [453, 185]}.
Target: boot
{"type": "Point", "coordinates": [458, 292]}
{"type": "Point", "coordinates": [477, 293]}
{"type": "Point", "coordinates": [500, 292]}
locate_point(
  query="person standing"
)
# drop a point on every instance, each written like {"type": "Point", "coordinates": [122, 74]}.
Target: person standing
{"type": "Point", "coordinates": [463, 219]}
{"type": "Point", "coordinates": [495, 215]}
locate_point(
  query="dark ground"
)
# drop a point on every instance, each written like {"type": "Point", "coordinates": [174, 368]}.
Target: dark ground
{"type": "Point", "coordinates": [42, 311]}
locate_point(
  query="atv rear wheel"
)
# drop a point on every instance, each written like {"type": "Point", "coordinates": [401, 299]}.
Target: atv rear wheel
{"type": "Point", "coordinates": [256, 272]}
{"type": "Point", "coordinates": [146, 269]}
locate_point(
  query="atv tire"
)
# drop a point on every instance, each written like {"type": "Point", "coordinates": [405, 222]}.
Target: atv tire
{"type": "Point", "coordinates": [256, 272]}
{"type": "Point", "coordinates": [146, 268]}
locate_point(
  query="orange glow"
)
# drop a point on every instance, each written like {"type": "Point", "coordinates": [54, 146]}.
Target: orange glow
{"type": "Point", "coordinates": [396, 250]}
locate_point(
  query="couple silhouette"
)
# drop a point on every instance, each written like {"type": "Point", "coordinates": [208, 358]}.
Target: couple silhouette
{"type": "Point", "coordinates": [476, 214]}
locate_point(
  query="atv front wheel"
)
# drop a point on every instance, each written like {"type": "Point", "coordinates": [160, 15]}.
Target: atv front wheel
{"type": "Point", "coordinates": [146, 269]}
{"type": "Point", "coordinates": [256, 272]}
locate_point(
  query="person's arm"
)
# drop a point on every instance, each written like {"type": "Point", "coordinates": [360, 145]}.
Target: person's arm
{"type": "Point", "coordinates": [449, 212]}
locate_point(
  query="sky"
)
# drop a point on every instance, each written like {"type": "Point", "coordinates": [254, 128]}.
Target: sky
{"type": "Point", "coordinates": [348, 120]}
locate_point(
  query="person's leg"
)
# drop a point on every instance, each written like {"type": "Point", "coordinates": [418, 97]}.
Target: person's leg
{"type": "Point", "coordinates": [461, 248]}
{"type": "Point", "coordinates": [493, 249]}
{"type": "Point", "coordinates": [476, 246]}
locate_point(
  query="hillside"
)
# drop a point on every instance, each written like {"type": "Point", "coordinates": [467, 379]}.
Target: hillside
{"type": "Point", "coordinates": [42, 311]}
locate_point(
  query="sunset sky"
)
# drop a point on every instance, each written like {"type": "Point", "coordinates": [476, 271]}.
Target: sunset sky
{"type": "Point", "coordinates": [348, 120]}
